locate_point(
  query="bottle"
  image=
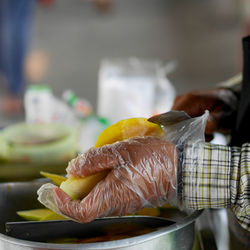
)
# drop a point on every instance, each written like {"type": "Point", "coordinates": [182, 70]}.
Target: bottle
{"type": "Point", "coordinates": [81, 106]}
{"type": "Point", "coordinates": [38, 103]}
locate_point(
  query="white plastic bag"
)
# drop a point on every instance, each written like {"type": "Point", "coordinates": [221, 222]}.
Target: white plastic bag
{"type": "Point", "coordinates": [134, 88]}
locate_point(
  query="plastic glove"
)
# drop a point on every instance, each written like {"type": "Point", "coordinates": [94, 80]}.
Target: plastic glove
{"type": "Point", "coordinates": [142, 174]}
{"type": "Point", "coordinates": [221, 102]}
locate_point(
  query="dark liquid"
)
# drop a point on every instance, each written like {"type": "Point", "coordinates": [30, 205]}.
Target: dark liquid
{"type": "Point", "coordinates": [109, 233]}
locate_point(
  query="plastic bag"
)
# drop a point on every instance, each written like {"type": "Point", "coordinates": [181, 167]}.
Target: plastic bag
{"type": "Point", "coordinates": [134, 88]}
{"type": "Point", "coordinates": [179, 129]}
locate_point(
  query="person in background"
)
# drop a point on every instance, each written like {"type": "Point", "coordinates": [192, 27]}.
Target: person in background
{"type": "Point", "coordinates": [16, 20]}
{"type": "Point", "coordinates": [15, 28]}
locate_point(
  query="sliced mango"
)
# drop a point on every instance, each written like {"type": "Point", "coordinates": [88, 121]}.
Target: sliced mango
{"type": "Point", "coordinates": [167, 205]}
{"type": "Point", "coordinates": [149, 211]}
{"type": "Point", "coordinates": [34, 214]}
{"type": "Point", "coordinates": [78, 188]}
{"type": "Point", "coordinates": [57, 179]}
{"type": "Point", "coordinates": [40, 214]}
{"type": "Point", "coordinates": [128, 128]}
{"type": "Point", "coordinates": [53, 216]}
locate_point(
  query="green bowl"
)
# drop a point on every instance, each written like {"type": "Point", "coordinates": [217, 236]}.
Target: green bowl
{"type": "Point", "coordinates": [26, 149]}
{"type": "Point", "coordinates": [38, 143]}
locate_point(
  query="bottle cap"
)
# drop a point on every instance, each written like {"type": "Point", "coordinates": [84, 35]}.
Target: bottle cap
{"type": "Point", "coordinates": [39, 88]}
{"type": "Point", "coordinates": [69, 96]}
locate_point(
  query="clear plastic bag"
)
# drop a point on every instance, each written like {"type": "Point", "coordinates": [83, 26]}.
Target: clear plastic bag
{"type": "Point", "coordinates": [134, 88]}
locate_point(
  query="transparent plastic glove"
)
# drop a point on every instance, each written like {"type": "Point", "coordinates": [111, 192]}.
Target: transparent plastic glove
{"type": "Point", "coordinates": [221, 103]}
{"type": "Point", "coordinates": [143, 173]}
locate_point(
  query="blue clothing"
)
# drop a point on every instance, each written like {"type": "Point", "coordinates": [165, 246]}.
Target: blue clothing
{"type": "Point", "coordinates": [15, 26]}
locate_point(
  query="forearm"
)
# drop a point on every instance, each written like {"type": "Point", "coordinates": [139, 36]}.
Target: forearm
{"type": "Point", "coordinates": [217, 176]}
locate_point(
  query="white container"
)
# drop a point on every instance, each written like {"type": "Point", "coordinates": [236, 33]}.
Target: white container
{"type": "Point", "coordinates": [38, 103]}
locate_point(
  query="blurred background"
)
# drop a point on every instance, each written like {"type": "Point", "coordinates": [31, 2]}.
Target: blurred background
{"type": "Point", "coordinates": [62, 43]}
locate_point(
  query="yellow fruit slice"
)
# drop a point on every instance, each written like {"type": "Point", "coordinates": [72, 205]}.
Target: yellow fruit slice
{"type": "Point", "coordinates": [128, 128]}
{"type": "Point", "coordinates": [167, 205]}
{"type": "Point", "coordinates": [53, 216]}
{"type": "Point", "coordinates": [34, 214]}
{"type": "Point", "coordinates": [57, 179]}
{"type": "Point", "coordinates": [149, 211]}
{"type": "Point", "coordinates": [40, 214]}
{"type": "Point", "coordinates": [78, 188]}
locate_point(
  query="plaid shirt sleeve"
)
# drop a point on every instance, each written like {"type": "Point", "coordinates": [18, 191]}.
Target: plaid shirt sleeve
{"type": "Point", "coordinates": [217, 176]}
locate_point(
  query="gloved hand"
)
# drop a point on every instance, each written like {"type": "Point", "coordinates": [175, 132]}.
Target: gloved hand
{"type": "Point", "coordinates": [142, 173]}
{"type": "Point", "coordinates": [221, 103]}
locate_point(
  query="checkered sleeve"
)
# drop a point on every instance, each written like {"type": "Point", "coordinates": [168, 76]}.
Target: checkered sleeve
{"type": "Point", "coordinates": [217, 176]}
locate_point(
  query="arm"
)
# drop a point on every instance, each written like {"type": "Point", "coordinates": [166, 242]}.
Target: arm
{"type": "Point", "coordinates": [221, 101]}
{"type": "Point", "coordinates": [217, 176]}
{"type": "Point", "coordinates": [145, 172]}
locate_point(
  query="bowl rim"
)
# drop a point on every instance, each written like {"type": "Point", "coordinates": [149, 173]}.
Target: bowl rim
{"type": "Point", "coordinates": [189, 219]}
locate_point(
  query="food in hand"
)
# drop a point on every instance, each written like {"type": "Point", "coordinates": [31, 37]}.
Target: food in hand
{"type": "Point", "coordinates": [126, 129]}
{"type": "Point", "coordinates": [78, 188]}
{"type": "Point", "coordinates": [57, 179]}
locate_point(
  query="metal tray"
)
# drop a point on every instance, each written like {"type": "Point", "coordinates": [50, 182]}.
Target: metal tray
{"type": "Point", "coordinates": [22, 196]}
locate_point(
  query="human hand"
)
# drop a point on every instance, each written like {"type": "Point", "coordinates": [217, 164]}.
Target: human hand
{"type": "Point", "coordinates": [221, 103]}
{"type": "Point", "coordinates": [142, 173]}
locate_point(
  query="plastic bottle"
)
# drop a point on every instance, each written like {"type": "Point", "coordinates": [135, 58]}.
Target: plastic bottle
{"type": "Point", "coordinates": [81, 106]}
{"type": "Point", "coordinates": [37, 104]}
